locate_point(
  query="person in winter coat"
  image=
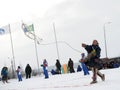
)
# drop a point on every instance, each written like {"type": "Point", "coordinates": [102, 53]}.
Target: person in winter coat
{"type": "Point", "coordinates": [45, 66]}
{"type": "Point", "coordinates": [53, 72]}
{"type": "Point", "coordinates": [19, 74]}
{"type": "Point", "coordinates": [93, 59]}
{"type": "Point", "coordinates": [28, 71]}
{"type": "Point", "coordinates": [4, 74]}
{"type": "Point", "coordinates": [79, 68]}
{"type": "Point", "coordinates": [58, 66]}
{"type": "Point", "coordinates": [84, 67]}
{"type": "Point", "coordinates": [71, 66]}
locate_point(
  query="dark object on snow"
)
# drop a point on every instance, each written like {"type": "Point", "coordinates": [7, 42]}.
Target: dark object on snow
{"type": "Point", "coordinates": [53, 72]}
{"type": "Point", "coordinates": [79, 68]}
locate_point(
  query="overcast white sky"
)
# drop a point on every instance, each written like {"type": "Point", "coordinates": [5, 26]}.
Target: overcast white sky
{"type": "Point", "coordinates": [76, 21]}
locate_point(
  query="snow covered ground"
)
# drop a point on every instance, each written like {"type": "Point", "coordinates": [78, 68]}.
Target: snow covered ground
{"type": "Point", "coordinates": [74, 81]}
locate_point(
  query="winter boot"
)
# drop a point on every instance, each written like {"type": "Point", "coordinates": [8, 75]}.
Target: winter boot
{"type": "Point", "coordinates": [103, 77]}
{"type": "Point", "coordinates": [93, 82]}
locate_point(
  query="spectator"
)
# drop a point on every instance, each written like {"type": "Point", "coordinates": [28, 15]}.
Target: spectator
{"type": "Point", "coordinates": [84, 67]}
{"type": "Point", "coordinates": [4, 74]}
{"type": "Point", "coordinates": [19, 74]}
{"type": "Point", "coordinates": [45, 66]}
{"type": "Point", "coordinates": [53, 72]}
{"type": "Point", "coordinates": [58, 66]}
{"type": "Point", "coordinates": [79, 68]}
{"type": "Point", "coordinates": [28, 71]}
{"type": "Point", "coordinates": [71, 66]}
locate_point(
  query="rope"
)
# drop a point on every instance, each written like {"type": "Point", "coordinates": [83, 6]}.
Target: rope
{"type": "Point", "coordinates": [64, 43]}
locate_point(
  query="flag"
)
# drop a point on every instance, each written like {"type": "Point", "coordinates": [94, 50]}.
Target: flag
{"type": "Point", "coordinates": [4, 30]}
{"type": "Point", "coordinates": [30, 27]}
{"type": "Point", "coordinates": [27, 28]}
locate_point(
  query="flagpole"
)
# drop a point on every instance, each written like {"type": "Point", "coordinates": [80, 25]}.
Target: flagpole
{"type": "Point", "coordinates": [56, 41]}
{"type": "Point", "coordinates": [12, 52]}
{"type": "Point", "coordinates": [36, 52]}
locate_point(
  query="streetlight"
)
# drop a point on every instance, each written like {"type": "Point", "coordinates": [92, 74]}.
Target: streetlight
{"type": "Point", "coordinates": [105, 38]}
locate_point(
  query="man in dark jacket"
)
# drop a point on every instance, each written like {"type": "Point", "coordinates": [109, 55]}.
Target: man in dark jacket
{"type": "Point", "coordinates": [93, 59]}
{"type": "Point", "coordinates": [71, 66]}
{"type": "Point", "coordinates": [58, 66]}
{"type": "Point", "coordinates": [28, 71]}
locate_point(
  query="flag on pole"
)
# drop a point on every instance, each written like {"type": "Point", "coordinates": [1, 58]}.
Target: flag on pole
{"type": "Point", "coordinates": [29, 32]}
{"type": "Point", "coordinates": [30, 28]}
{"type": "Point", "coordinates": [27, 28]}
{"type": "Point", "coordinates": [4, 30]}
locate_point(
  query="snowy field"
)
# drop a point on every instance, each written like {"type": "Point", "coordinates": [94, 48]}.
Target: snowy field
{"type": "Point", "coordinates": [74, 81]}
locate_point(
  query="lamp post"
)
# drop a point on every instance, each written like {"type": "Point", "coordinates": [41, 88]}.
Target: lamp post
{"type": "Point", "coordinates": [104, 28]}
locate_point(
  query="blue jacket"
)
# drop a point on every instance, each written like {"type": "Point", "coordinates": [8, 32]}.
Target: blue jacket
{"type": "Point", "coordinates": [4, 72]}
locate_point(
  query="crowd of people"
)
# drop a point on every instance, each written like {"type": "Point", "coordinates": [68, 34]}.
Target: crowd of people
{"type": "Point", "coordinates": [4, 73]}
{"type": "Point", "coordinates": [112, 64]}
{"type": "Point", "coordinates": [92, 60]}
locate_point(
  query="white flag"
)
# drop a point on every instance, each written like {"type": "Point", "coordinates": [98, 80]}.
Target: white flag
{"type": "Point", "coordinates": [4, 30]}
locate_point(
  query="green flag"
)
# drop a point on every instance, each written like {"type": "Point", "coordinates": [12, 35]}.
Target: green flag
{"type": "Point", "coordinates": [30, 28]}
{"type": "Point", "coordinates": [27, 28]}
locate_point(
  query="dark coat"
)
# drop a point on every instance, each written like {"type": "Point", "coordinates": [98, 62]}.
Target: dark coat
{"type": "Point", "coordinates": [94, 61]}
{"type": "Point", "coordinates": [58, 65]}
{"type": "Point", "coordinates": [28, 69]}
{"type": "Point", "coordinates": [4, 71]}
{"type": "Point", "coordinates": [70, 66]}
{"type": "Point", "coordinates": [79, 68]}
